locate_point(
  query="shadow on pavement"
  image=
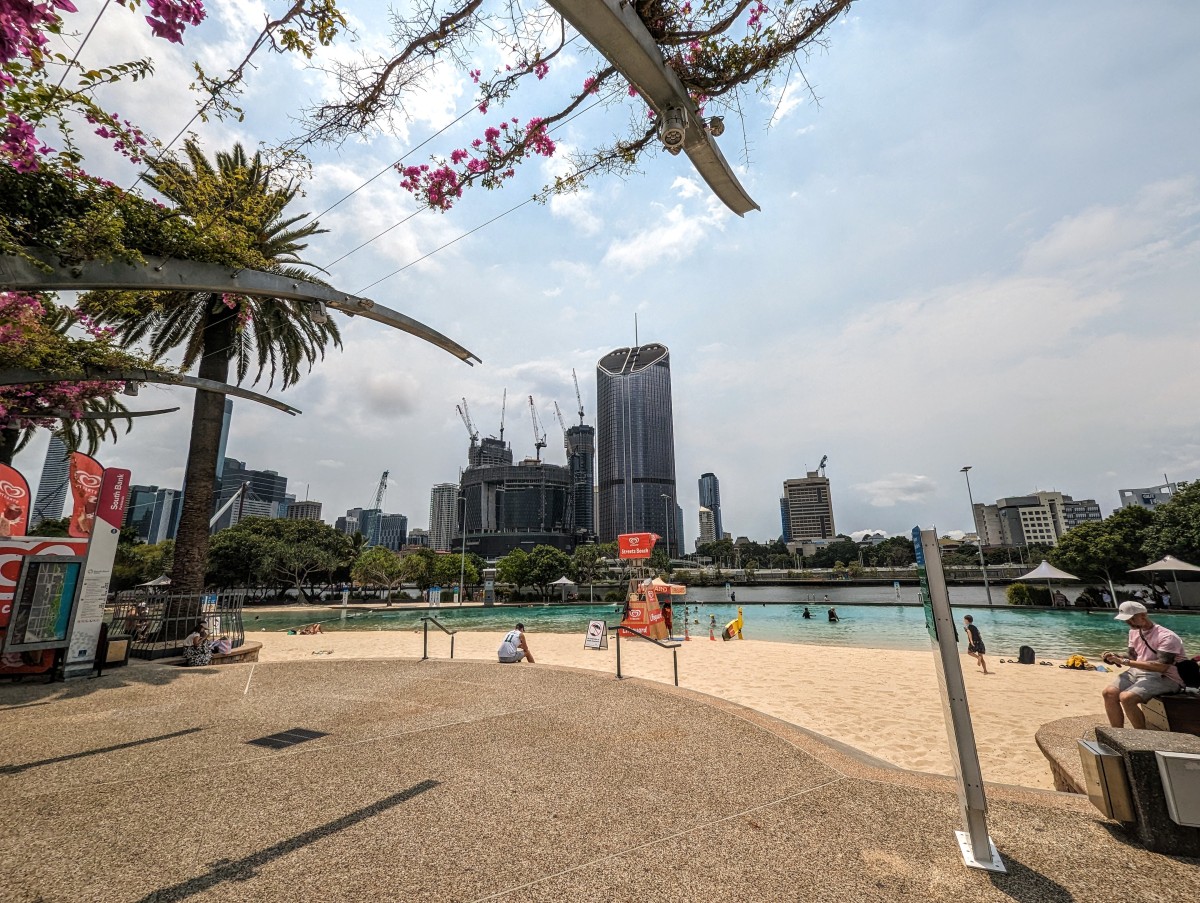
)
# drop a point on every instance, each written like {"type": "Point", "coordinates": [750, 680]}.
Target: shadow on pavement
{"type": "Point", "coordinates": [1027, 886]}
{"type": "Point", "coordinates": [17, 769]}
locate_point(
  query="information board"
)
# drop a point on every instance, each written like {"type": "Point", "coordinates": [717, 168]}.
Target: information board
{"type": "Point", "coordinates": [44, 604]}
{"type": "Point", "coordinates": [596, 636]}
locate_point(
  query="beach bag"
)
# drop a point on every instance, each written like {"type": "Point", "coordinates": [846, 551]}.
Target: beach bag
{"type": "Point", "coordinates": [1026, 656]}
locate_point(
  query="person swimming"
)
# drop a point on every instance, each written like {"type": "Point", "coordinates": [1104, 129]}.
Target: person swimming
{"type": "Point", "coordinates": [833, 616]}
{"type": "Point", "coordinates": [807, 614]}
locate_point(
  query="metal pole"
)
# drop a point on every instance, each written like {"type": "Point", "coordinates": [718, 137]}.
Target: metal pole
{"type": "Point", "coordinates": [462, 565]}
{"type": "Point", "coordinates": [452, 645]}
{"type": "Point", "coordinates": [675, 659]}
{"type": "Point", "coordinates": [618, 653]}
{"type": "Point", "coordinates": [425, 640]}
{"type": "Point", "coordinates": [982, 563]}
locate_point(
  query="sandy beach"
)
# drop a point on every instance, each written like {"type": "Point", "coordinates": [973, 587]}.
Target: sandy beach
{"type": "Point", "coordinates": [883, 702]}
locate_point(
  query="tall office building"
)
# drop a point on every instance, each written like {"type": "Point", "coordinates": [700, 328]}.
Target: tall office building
{"type": "Point", "coordinates": [1037, 518]}
{"type": "Point", "coordinates": [786, 534]}
{"type": "Point", "coordinates": [393, 532]}
{"type": "Point", "coordinates": [442, 516]}
{"type": "Point", "coordinates": [53, 486]}
{"type": "Point", "coordinates": [140, 511]}
{"type": "Point", "coordinates": [581, 461]}
{"type": "Point", "coordinates": [809, 508]}
{"type": "Point", "coordinates": [710, 498]}
{"type": "Point", "coordinates": [305, 510]}
{"type": "Point", "coordinates": [267, 495]}
{"type": "Point", "coordinates": [635, 444]}
{"type": "Point", "coordinates": [707, 530]}
{"type": "Point", "coordinates": [164, 520]}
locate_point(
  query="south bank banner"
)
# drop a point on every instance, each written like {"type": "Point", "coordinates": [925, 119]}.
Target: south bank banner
{"type": "Point", "coordinates": [85, 476]}
{"type": "Point", "coordinates": [14, 502]}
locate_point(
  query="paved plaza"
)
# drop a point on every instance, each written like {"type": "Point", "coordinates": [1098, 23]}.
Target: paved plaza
{"type": "Point", "coordinates": [472, 781]}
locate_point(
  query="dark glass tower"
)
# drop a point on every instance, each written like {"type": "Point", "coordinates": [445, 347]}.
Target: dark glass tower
{"type": "Point", "coordinates": [710, 498]}
{"type": "Point", "coordinates": [635, 444]}
{"type": "Point", "coordinates": [581, 460]}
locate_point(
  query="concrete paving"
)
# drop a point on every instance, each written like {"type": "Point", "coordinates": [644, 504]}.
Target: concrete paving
{"type": "Point", "coordinates": [471, 781]}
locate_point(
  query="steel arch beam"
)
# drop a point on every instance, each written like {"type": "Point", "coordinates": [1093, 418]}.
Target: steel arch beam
{"type": "Point", "coordinates": [113, 415]}
{"type": "Point", "coordinates": [168, 275]}
{"type": "Point", "coordinates": [614, 29]}
{"type": "Point", "coordinates": [11, 377]}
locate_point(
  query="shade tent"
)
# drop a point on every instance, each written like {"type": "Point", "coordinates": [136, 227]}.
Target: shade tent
{"type": "Point", "coordinates": [162, 580]}
{"type": "Point", "coordinates": [564, 583]}
{"type": "Point", "coordinates": [1046, 571]}
{"type": "Point", "coordinates": [1172, 564]}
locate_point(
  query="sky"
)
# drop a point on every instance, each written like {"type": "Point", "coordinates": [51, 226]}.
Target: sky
{"type": "Point", "coordinates": [981, 247]}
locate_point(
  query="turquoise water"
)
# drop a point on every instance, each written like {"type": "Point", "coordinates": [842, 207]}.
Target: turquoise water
{"type": "Point", "coordinates": [1052, 634]}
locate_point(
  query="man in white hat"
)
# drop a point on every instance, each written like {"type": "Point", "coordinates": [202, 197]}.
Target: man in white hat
{"type": "Point", "coordinates": [1151, 657]}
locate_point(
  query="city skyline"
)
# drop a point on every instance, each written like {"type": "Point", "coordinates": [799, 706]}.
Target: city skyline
{"type": "Point", "coordinates": [972, 285]}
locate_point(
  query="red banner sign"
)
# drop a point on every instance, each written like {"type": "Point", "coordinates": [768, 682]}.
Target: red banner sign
{"type": "Point", "coordinates": [14, 503]}
{"type": "Point", "coordinates": [86, 477]}
{"type": "Point", "coordinates": [636, 545]}
{"type": "Point", "coordinates": [114, 496]}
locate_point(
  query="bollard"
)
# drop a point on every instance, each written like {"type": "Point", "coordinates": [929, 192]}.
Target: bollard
{"type": "Point", "coordinates": [452, 645]}
{"type": "Point", "coordinates": [618, 653]}
{"type": "Point", "coordinates": [686, 636]}
{"type": "Point", "coordinates": [425, 641]}
{"type": "Point", "coordinates": [675, 660]}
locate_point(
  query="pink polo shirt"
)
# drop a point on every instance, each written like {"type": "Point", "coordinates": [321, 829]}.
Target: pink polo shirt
{"type": "Point", "coordinates": [1144, 644]}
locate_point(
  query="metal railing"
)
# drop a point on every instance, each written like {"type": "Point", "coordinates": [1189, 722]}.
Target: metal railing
{"type": "Point", "coordinates": [158, 623]}
{"type": "Point", "coordinates": [674, 647]}
{"type": "Point", "coordinates": [425, 638]}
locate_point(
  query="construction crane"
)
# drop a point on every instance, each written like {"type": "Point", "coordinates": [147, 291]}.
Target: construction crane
{"type": "Point", "coordinates": [578, 397]}
{"type": "Point", "coordinates": [539, 434]}
{"type": "Point", "coordinates": [821, 466]}
{"type": "Point", "coordinates": [503, 405]}
{"type": "Point", "coordinates": [464, 413]}
{"type": "Point", "coordinates": [380, 492]}
{"type": "Point", "coordinates": [561, 423]}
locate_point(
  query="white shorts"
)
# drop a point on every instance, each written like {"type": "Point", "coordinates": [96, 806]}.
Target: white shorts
{"type": "Point", "coordinates": [512, 659]}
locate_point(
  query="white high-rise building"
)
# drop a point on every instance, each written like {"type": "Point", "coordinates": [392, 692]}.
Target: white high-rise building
{"type": "Point", "coordinates": [708, 531]}
{"type": "Point", "coordinates": [442, 518]}
{"type": "Point", "coordinates": [53, 486]}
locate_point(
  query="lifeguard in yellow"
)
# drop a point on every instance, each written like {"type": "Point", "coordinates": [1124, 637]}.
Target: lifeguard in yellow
{"type": "Point", "coordinates": [734, 627]}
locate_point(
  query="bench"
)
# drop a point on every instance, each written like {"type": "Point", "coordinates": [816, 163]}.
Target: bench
{"type": "Point", "coordinates": [1179, 712]}
{"type": "Point", "coordinates": [247, 652]}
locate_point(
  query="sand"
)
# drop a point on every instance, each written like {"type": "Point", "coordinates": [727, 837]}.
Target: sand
{"type": "Point", "coordinates": [883, 702]}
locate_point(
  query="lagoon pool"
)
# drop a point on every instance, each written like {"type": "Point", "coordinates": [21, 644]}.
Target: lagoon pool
{"type": "Point", "coordinates": [1052, 634]}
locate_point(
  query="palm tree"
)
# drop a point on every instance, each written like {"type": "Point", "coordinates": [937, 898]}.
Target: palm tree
{"type": "Point", "coordinates": [238, 206]}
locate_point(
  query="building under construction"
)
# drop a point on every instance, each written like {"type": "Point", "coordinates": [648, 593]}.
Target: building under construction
{"type": "Point", "coordinates": [509, 505]}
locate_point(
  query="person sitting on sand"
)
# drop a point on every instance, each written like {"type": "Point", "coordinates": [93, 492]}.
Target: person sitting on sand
{"type": "Point", "coordinates": [197, 648]}
{"type": "Point", "coordinates": [1151, 657]}
{"type": "Point", "coordinates": [514, 647]}
{"type": "Point", "coordinates": [975, 647]}
{"type": "Point", "coordinates": [310, 629]}
{"type": "Point", "coordinates": [833, 616]}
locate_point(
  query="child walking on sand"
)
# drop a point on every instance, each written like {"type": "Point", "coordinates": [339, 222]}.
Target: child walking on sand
{"type": "Point", "coordinates": [975, 647]}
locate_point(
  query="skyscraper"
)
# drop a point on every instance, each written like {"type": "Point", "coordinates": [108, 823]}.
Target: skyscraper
{"type": "Point", "coordinates": [707, 531]}
{"type": "Point", "coordinates": [52, 487]}
{"type": "Point", "coordinates": [442, 516]}
{"type": "Point", "coordinates": [710, 498]}
{"type": "Point", "coordinates": [581, 460]}
{"type": "Point", "coordinates": [635, 441]}
{"type": "Point", "coordinates": [809, 508]}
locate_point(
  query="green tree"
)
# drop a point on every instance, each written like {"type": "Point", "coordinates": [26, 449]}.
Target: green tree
{"type": "Point", "coordinates": [514, 568]}
{"type": "Point", "coordinates": [57, 527]}
{"type": "Point", "coordinates": [1104, 551]}
{"type": "Point", "coordinates": [378, 567]}
{"type": "Point", "coordinates": [547, 564]}
{"type": "Point", "coordinates": [447, 571]}
{"type": "Point", "coordinates": [1175, 529]}
{"type": "Point", "coordinates": [419, 568]}
{"type": "Point", "coordinates": [302, 565]}
{"type": "Point", "coordinates": [298, 553]}
{"type": "Point", "coordinates": [239, 204]}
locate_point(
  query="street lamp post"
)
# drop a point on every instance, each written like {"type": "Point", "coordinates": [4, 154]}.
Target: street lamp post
{"type": "Point", "coordinates": [462, 564]}
{"type": "Point", "coordinates": [979, 539]}
{"type": "Point", "coordinates": [667, 514]}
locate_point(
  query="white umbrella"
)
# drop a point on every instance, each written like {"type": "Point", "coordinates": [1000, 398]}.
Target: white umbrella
{"type": "Point", "coordinates": [162, 580]}
{"type": "Point", "coordinates": [564, 583]}
{"type": "Point", "coordinates": [1172, 564]}
{"type": "Point", "coordinates": [1046, 571]}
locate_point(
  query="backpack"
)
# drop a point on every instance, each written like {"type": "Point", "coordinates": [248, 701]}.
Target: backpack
{"type": "Point", "coordinates": [1026, 656]}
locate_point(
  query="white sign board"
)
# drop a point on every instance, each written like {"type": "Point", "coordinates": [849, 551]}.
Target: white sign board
{"type": "Point", "coordinates": [596, 636]}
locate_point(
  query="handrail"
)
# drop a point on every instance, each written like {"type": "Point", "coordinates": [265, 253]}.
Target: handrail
{"type": "Point", "coordinates": [425, 638]}
{"type": "Point", "coordinates": [672, 646]}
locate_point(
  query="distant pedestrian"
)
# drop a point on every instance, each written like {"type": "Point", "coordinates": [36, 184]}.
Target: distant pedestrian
{"type": "Point", "coordinates": [975, 647]}
{"type": "Point", "coordinates": [1106, 598]}
{"type": "Point", "coordinates": [732, 596]}
{"type": "Point", "coordinates": [827, 598]}
{"type": "Point", "coordinates": [514, 647]}
{"type": "Point", "coordinates": [1164, 600]}
{"type": "Point", "coordinates": [1059, 600]}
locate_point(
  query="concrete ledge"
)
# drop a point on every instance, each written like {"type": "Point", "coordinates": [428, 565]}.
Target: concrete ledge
{"type": "Point", "coordinates": [1059, 743]}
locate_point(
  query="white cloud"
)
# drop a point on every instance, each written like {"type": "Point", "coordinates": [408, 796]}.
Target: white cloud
{"type": "Point", "coordinates": [676, 236]}
{"type": "Point", "coordinates": [888, 491]}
